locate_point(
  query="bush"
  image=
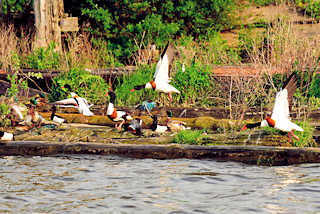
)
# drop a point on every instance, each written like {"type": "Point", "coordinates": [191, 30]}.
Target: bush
{"type": "Point", "coordinates": [43, 58]}
{"type": "Point", "coordinates": [195, 84]}
{"type": "Point", "coordinates": [143, 75]}
{"type": "Point", "coordinates": [129, 24]}
{"type": "Point", "coordinates": [87, 85]}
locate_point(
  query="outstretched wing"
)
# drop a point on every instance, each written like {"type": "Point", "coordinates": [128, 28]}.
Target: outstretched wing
{"type": "Point", "coordinates": [291, 86]}
{"type": "Point", "coordinates": [70, 102]}
{"type": "Point", "coordinates": [162, 68]}
{"type": "Point", "coordinates": [281, 106]}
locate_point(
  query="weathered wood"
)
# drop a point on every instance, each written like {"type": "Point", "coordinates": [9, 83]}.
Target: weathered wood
{"type": "Point", "coordinates": [261, 155]}
{"type": "Point", "coordinates": [50, 22]}
{"type": "Point", "coordinates": [47, 18]}
{"type": "Point", "coordinates": [69, 24]}
{"type": "Point", "coordinates": [22, 92]}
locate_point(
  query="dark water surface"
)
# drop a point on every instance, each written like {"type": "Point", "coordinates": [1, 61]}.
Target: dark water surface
{"type": "Point", "coordinates": [104, 184]}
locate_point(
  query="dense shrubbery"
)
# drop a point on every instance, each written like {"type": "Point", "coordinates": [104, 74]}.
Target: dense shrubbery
{"type": "Point", "coordinates": [82, 82]}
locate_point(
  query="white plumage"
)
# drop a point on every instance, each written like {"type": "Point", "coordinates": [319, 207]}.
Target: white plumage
{"type": "Point", "coordinates": [76, 102]}
{"type": "Point", "coordinates": [281, 115]}
{"type": "Point", "coordinates": [5, 136]}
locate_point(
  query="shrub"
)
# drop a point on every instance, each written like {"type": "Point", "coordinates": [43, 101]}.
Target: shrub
{"type": "Point", "coordinates": [142, 75]}
{"type": "Point", "coordinates": [87, 85]}
{"type": "Point", "coordinates": [195, 84]}
{"type": "Point", "coordinates": [43, 58]}
{"type": "Point", "coordinates": [4, 112]}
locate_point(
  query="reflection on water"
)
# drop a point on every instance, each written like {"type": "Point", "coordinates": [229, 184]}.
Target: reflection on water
{"type": "Point", "coordinates": [100, 184]}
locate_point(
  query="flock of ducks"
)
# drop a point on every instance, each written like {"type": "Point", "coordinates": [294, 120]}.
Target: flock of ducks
{"type": "Point", "coordinates": [279, 119]}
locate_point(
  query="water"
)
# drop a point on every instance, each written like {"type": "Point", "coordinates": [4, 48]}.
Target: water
{"type": "Point", "coordinates": [104, 184]}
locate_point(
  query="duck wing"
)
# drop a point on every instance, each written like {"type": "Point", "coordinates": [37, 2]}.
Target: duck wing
{"type": "Point", "coordinates": [83, 107]}
{"type": "Point", "coordinates": [291, 86]}
{"type": "Point", "coordinates": [162, 68]}
{"type": "Point", "coordinates": [281, 106]}
{"type": "Point", "coordinates": [69, 102]}
{"type": "Point", "coordinates": [284, 99]}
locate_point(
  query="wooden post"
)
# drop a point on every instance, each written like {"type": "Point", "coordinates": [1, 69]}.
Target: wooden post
{"type": "Point", "coordinates": [48, 16]}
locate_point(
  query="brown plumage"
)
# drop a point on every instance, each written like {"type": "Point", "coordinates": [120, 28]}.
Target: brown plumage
{"type": "Point", "coordinates": [291, 85]}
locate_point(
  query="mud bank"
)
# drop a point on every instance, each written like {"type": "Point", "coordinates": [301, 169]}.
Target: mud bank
{"type": "Point", "coordinates": [260, 155]}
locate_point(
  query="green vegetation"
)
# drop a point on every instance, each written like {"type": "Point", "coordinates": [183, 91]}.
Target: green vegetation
{"type": "Point", "coordinates": [83, 83]}
{"type": "Point", "coordinates": [189, 137]}
{"type": "Point", "coordinates": [305, 137]}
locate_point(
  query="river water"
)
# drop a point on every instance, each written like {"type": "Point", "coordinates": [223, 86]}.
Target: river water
{"type": "Point", "coordinates": [109, 184]}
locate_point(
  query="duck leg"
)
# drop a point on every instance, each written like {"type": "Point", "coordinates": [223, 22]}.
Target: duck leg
{"type": "Point", "coordinates": [120, 125]}
{"type": "Point", "coordinates": [289, 135]}
{"type": "Point", "coordinates": [170, 97]}
{"type": "Point", "coordinates": [295, 136]}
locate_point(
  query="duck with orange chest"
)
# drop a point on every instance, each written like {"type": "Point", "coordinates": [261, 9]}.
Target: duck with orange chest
{"type": "Point", "coordinates": [161, 77]}
{"type": "Point", "coordinates": [280, 117]}
{"type": "Point", "coordinates": [114, 114]}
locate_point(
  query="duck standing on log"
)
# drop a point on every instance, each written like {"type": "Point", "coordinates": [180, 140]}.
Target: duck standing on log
{"type": "Point", "coordinates": [113, 114]}
{"type": "Point", "coordinates": [76, 102]}
{"type": "Point", "coordinates": [160, 80]}
{"type": "Point", "coordinates": [280, 117]}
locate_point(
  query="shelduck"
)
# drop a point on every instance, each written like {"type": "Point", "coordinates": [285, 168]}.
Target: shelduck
{"type": "Point", "coordinates": [76, 102]}
{"type": "Point", "coordinates": [161, 79]}
{"type": "Point", "coordinates": [280, 117]}
{"type": "Point", "coordinates": [6, 136]}
{"type": "Point", "coordinates": [135, 126]}
{"type": "Point", "coordinates": [54, 117]}
{"type": "Point", "coordinates": [156, 127]}
{"type": "Point", "coordinates": [113, 114]}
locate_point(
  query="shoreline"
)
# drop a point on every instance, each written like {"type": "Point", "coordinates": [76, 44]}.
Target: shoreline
{"type": "Point", "coordinates": [257, 155]}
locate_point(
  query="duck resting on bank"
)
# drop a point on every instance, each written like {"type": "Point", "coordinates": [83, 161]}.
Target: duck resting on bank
{"type": "Point", "coordinates": [135, 126]}
{"type": "Point", "coordinates": [6, 136]}
{"type": "Point", "coordinates": [280, 117]}
{"type": "Point", "coordinates": [114, 114]}
{"type": "Point", "coordinates": [156, 127]}
{"type": "Point", "coordinates": [160, 80]}
{"type": "Point", "coordinates": [54, 117]}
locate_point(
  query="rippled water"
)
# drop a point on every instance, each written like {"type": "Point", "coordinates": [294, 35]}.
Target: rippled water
{"type": "Point", "coordinates": [104, 184]}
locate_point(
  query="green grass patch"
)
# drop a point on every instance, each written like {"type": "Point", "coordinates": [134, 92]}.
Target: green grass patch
{"type": "Point", "coordinates": [305, 138]}
{"type": "Point", "coordinates": [194, 137]}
